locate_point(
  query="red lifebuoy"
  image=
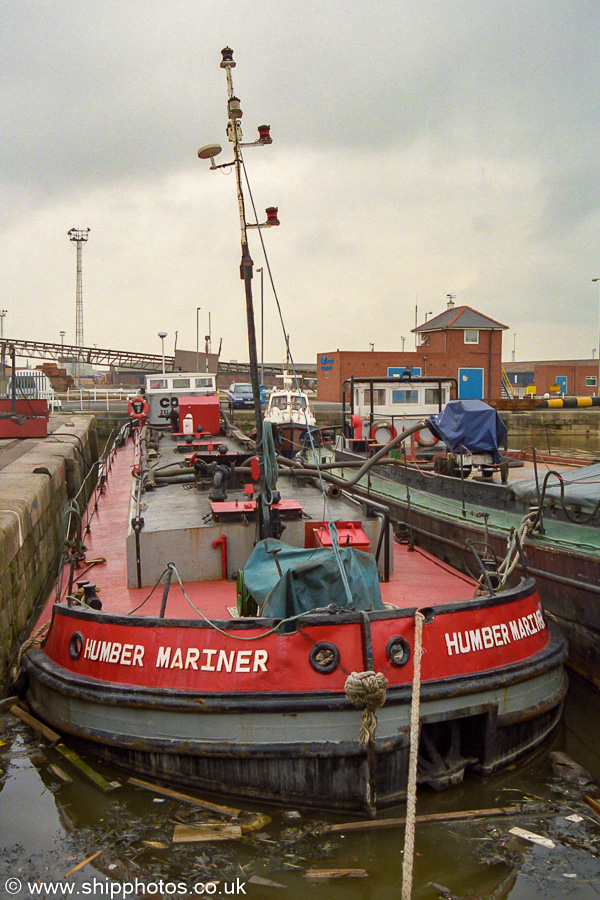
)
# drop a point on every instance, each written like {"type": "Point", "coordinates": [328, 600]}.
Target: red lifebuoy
{"type": "Point", "coordinates": [137, 408]}
{"type": "Point", "coordinates": [425, 442]}
{"type": "Point", "coordinates": [385, 427]}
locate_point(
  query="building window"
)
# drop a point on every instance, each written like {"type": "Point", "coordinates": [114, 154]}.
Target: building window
{"type": "Point", "coordinates": [591, 380]}
{"type": "Point", "coordinates": [471, 336]}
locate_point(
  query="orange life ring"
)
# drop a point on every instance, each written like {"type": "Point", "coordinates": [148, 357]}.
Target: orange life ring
{"type": "Point", "coordinates": [425, 442]}
{"type": "Point", "coordinates": [137, 408]}
{"type": "Point", "coordinates": [383, 426]}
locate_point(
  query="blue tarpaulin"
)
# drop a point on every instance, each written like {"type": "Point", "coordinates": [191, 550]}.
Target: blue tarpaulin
{"type": "Point", "coordinates": [286, 581]}
{"type": "Point", "coordinates": [470, 424]}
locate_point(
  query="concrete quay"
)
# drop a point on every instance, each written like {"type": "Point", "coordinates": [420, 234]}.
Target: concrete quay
{"type": "Point", "coordinates": [39, 477]}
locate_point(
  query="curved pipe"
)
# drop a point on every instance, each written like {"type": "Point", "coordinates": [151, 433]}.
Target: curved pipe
{"type": "Point", "coordinates": [299, 468]}
{"type": "Point", "coordinates": [357, 424]}
{"type": "Point", "coordinates": [222, 543]}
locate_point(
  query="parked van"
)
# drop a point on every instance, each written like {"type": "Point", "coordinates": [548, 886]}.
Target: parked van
{"type": "Point", "coordinates": [33, 385]}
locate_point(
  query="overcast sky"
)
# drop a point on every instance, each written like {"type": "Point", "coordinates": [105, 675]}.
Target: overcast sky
{"type": "Point", "coordinates": [420, 148]}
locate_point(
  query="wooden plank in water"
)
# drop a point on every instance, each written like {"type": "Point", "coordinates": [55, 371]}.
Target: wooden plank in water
{"type": "Point", "coordinates": [205, 833]}
{"type": "Point", "coordinates": [178, 795]}
{"type": "Point", "coordinates": [34, 723]}
{"type": "Point", "coordinates": [420, 820]}
{"type": "Point", "coordinates": [86, 770]}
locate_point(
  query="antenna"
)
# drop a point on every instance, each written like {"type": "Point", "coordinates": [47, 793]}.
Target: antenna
{"type": "Point", "coordinates": [79, 236]}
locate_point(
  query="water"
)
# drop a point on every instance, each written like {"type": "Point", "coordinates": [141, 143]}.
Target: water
{"type": "Point", "coordinates": [47, 828]}
{"type": "Point", "coordinates": [551, 441]}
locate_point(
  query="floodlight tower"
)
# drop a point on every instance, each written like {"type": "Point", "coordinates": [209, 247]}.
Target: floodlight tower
{"type": "Point", "coordinates": [79, 236]}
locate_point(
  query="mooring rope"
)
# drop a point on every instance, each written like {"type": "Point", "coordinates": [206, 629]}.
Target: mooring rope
{"type": "Point", "coordinates": [35, 638]}
{"type": "Point", "coordinates": [411, 791]}
{"type": "Point", "coordinates": [366, 691]}
{"type": "Point", "coordinates": [507, 565]}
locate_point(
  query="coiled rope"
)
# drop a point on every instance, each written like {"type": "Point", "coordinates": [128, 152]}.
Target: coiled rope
{"type": "Point", "coordinates": [366, 691]}
{"type": "Point", "coordinates": [269, 460]}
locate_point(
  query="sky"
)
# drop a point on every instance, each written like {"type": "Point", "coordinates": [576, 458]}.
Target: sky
{"type": "Point", "coordinates": [420, 148]}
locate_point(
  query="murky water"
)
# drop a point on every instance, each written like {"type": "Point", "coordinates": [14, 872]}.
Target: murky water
{"type": "Point", "coordinates": [550, 441]}
{"type": "Point", "coordinates": [47, 828]}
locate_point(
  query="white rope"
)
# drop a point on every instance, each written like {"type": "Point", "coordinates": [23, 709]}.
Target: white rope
{"type": "Point", "coordinates": [411, 790]}
{"type": "Point", "coordinates": [507, 565]}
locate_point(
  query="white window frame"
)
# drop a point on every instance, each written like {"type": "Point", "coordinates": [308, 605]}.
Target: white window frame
{"type": "Point", "coordinates": [474, 331]}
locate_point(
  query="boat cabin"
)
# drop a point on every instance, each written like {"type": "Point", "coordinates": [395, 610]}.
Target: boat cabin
{"type": "Point", "coordinates": [165, 391]}
{"type": "Point", "coordinates": [375, 410]}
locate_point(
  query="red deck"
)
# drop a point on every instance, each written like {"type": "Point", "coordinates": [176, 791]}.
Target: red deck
{"type": "Point", "coordinates": [416, 574]}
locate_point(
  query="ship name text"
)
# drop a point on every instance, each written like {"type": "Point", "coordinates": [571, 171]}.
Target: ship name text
{"type": "Point", "coordinates": [203, 660]}
{"type": "Point", "coordinates": [494, 635]}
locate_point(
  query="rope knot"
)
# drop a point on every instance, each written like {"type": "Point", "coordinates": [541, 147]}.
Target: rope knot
{"type": "Point", "coordinates": [366, 691]}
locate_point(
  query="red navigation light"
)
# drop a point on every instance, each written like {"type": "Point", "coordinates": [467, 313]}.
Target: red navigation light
{"type": "Point", "coordinates": [272, 215]}
{"type": "Point", "coordinates": [264, 134]}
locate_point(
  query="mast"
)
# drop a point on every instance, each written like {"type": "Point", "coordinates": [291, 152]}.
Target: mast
{"type": "Point", "coordinates": [234, 134]}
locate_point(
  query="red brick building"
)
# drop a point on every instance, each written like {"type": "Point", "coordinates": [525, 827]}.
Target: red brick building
{"type": "Point", "coordinates": [461, 343]}
{"type": "Point", "coordinates": [572, 377]}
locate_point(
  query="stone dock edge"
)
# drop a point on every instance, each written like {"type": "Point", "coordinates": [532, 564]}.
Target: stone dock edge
{"type": "Point", "coordinates": [35, 491]}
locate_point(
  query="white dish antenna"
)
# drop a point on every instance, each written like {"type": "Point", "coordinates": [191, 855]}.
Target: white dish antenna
{"type": "Point", "coordinates": [209, 151]}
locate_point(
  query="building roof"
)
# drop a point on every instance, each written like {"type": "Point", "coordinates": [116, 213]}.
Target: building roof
{"type": "Point", "coordinates": [529, 366]}
{"type": "Point", "coordinates": [459, 317]}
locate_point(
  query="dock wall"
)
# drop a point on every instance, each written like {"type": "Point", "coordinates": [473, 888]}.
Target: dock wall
{"type": "Point", "coordinates": [35, 489]}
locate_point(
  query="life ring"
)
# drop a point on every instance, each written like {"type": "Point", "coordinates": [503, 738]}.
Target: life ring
{"type": "Point", "coordinates": [430, 441]}
{"type": "Point", "coordinates": [138, 408]}
{"type": "Point", "coordinates": [385, 427]}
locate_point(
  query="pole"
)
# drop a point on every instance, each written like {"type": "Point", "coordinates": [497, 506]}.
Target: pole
{"type": "Point", "coordinates": [234, 132]}
{"type": "Point", "coordinates": [247, 265]}
{"type": "Point", "coordinates": [598, 379]}
{"type": "Point", "coordinates": [198, 308]}
{"type": "Point", "coordinates": [162, 335]}
{"type": "Point", "coordinates": [262, 328]}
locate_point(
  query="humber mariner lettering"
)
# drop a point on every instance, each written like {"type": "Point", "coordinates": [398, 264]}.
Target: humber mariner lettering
{"type": "Point", "coordinates": [207, 660]}
{"type": "Point", "coordinates": [494, 635]}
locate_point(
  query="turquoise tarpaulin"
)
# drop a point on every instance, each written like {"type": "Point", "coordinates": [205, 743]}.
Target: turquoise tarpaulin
{"type": "Point", "coordinates": [301, 580]}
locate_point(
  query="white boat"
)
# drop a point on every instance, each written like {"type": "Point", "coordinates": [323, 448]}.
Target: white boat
{"type": "Point", "coordinates": [289, 411]}
{"type": "Point", "coordinates": [376, 409]}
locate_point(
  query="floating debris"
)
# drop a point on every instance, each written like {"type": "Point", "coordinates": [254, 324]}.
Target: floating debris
{"type": "Point", "coordinates": [317, 874]}
{"type": "Point", "coordinates": [188, 798]}
{"type": "Point", "coordinates": [567, 769]}
{"type": "Point", "coordinates": [532, 837]}
{"type": "Point", "coordinates": [292, 815]}
{"type": "Point", "coordinates": [83, 863]}
{"type": "Point", "coordinates": [185, 834]}
{"type": "Point", "coordinates": [265, 882]}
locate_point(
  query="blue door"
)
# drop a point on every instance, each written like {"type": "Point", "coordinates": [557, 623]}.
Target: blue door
{"type": "Point", "coordinates": [561, 380]}
{"type": "Point", "coordinates": [470, 384]}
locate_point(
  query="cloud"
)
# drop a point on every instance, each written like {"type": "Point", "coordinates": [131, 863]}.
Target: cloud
{"type": "Point", "coordinates": [419, 149]}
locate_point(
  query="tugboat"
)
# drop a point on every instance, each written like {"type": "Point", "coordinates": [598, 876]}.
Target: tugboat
{"type": "Point", "coordinates": [231, 626]}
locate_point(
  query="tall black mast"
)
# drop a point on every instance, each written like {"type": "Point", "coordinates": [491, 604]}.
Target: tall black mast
{"type": "Point", "coordinates": [234, 133]}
